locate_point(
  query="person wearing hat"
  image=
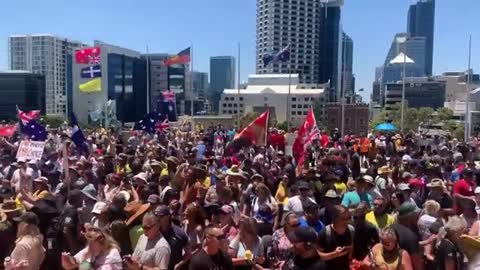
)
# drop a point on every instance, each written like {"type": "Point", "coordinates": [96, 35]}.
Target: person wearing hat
{"type": "Point", "coordinates": [22, 177]}
{"type": "Point", "coordinates": [175, 236]}
{"type": "Point", "coordinates": [99, 218]}
{"type": "Point", "coordinates": [8, 227]}
{"type": "Point", "coordinates": [366, 235]}
{"type": "Point", "coordinates": [135, 211]}
{"type": "Point", "coordinates": [305, 255]}
{"type": "Point", "coordinates": [235, 175]}
{"type": "Point", "coordinates": [352, 199]}
{"type": "Point", "coordinates": [295, 203]}
{"type": "Point", "coordinates": [29, 251]}
{"type": "Point", "coordinates": [438, 193]}
{"type": "Point", "coordinates": [383, 181]}
{"type": "Point", "coordinates": [405, 227]}
{"type": "Point", "coordinates": [122, 166]}
{"type": "Point", "coordinates": [172, 164]}
{"type": "Point", "coordinates": [41, 191]}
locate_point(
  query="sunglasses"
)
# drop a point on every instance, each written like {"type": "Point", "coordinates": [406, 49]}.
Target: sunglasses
{"type": "Point", "coordinates": [377, 205]}
{"type": "Point", "coordinates": [219, 237]}
{"type": "Point", "coordinates": [147, 228]}
{"type": "Point", "coordinates": [294, 225]}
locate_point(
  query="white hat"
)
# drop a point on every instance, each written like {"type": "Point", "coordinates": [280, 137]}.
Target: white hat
{"type": "Point", "coordinates": [477, 190]}
{"type": "Point", "coordinates": [21, 159]}
{"type": "Point", "coordinates": [98, 207]}
{"type": "Point", "coordinates": [142, 176]}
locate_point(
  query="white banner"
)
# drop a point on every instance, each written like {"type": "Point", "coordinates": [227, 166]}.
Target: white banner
{"type": "Point", "coordinates": [30, 150]}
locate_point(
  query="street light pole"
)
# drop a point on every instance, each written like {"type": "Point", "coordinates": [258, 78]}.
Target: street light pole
{"type": "Point", "coordinates": [403, 88]}
{"type": "Point", "coordinates": [467, 107]}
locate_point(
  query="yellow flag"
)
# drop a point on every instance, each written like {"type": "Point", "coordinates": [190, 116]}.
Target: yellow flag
{"type": "Point", "coordinates": [94, 85]}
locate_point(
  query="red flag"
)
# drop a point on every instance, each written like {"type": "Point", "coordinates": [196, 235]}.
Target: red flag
{"type": "Point", "coordinates": [182, 57]}
{"type": "Point", "coordinates": [7, 130]}
{"type": "Point", "coordinates": [163, 126]}
{"type": "Point", "coordinates": [256, 132]}
{"type": "Point", "coordinates": [305, 136]}
{"type": "Point", "coordinates": [26, 117]}
{"type": "Point", "coordinates": [88, 56]}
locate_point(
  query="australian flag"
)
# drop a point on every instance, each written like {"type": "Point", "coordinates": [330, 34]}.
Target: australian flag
{"type": "Point", "coordinates": [34, 130]}
{"type": "Point", "coordinates": [148, 123]}
{"type": "Point", "coordinates": [281, 56]}
{"type": "Point", "coordinates": [77, 135]}
{"type": "Point", "coordinates": [167, 105]}
{"type": "Point", "coordinates": [92, 72]}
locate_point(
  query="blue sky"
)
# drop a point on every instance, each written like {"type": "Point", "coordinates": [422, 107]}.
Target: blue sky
{"type": "Point", "coordinates": [214, 27]}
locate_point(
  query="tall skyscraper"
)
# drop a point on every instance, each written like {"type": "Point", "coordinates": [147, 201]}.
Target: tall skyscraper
{"type": "Point", "coordinates": [222, 76]}
{"type": "Point", "coordinates": [47, 55]}
{"type": "Point", "coordinates": [313, 30]}
{"type": "Point", "coordinates": [347, 80]}
{"type": "Point", "coordinates": [421, 23]}
{"type": "Point", "coordinates": [414, 48]}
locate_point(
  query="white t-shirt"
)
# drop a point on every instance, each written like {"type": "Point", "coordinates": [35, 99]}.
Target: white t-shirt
{"type": "Point", "coordinates": [110, 260]}
{"type": "Point", "coordinates": [19, 184]}
{"type": "Point", "coordinates": [152, 252]}
{"type": "Point", "coordinates": [295, 205]}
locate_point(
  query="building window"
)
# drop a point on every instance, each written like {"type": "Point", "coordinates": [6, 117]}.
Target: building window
{"type": "Point", "coordinates": [305, 112]}
{"type": "Point", "coordinates": [305, 106]}
{"type": "Point", "coordinates": [294, 99]}
{"type": "Point", "coordinates": [224, 111]}
{"type": "Point", "coordinates": [265, 98]}
{"type": "Point", "coordinates": [229, 111]}
{"type": "Point", "coordinates": [224, 105]}
{"type": "Point", "coordinates": [294, 112]}
{"type": "Point", "coordinates": [241, 105]}
{"type": "Point", "coordinates": [226, 98]}
{"type": "Point", "coordinates": [294, 106]}
{"type": "Point", "coordinates": [241, 98]}
{"type": "Point", "coordinates": [229, 105]}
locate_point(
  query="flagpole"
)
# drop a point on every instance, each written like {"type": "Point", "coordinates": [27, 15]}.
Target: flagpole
{"type": "Point", "coordinates": [467, 106]}
{"type": "Point", "coordinates": [289, 89]}
{"type": "Point", "coordinates": [191, 87]}
{"type": "Point", "coordinates": [238, 87]}
{"type": "Point", "coordinates": [402, 111]}
{"type": "Point", "coordinates": [342, 128]}
{"type": "Point", "coordinates": [148, 81]}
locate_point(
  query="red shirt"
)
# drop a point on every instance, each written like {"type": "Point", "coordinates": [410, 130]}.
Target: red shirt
{"type": "Point", "coordinates": [464, 188]}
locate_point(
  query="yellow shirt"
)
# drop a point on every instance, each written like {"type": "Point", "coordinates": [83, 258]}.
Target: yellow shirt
{"type": "Point", "coordinates": [164, 172]}
{"type": "Point", "coordinates": [207, 182]}
{"type": "Point", "coordinates": [340, 187]}
{"type": "Point", "coordinates": [40, 194]}
{"type": "Point", "coordinates": [281, 194]}
{"type": "Point", "coordinates": [380, 222]}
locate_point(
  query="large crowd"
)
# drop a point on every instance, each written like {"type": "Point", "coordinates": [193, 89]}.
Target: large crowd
{"type": "Point", "coordinates": [187, 200]}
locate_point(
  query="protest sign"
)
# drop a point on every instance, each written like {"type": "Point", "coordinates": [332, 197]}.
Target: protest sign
{"type": "Point", "coordinates": [30, 150]}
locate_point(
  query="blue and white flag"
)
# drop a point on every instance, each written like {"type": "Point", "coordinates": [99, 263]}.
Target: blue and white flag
{"type": "Point", "coordinates": [77, 135]}
{"type": "Point", "coordinates": [34, 130]}
{"type": "Point", "coordinates": [281, 56]}
{"type": "Point", "coordinates": [92, 72]}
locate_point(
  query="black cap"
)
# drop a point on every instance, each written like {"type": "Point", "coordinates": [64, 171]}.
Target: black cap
{"type": "Point", "coordinates": [303, 235]}
{"type": "Point", "coordinates": [162, 210]}
{"type": "Point", "coordinates": [28, 217]}
{"type": "Point", "coordinates": [303, 185]}
{"type": "Point", "coordinates": [467, 171]}
{"type": "Point", "coordinates": [311, 207]}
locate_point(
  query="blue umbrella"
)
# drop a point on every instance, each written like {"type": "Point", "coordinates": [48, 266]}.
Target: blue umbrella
{"type": "Point", "coordinates": [386, 127]}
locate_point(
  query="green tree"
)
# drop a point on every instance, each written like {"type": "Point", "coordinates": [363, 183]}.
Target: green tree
{"type": "Point", "coordinates": [53, 121]}
{"type": "Point", "coordinates": [283, 125]}
{"type": "Point", "coordinates": [444, 114]}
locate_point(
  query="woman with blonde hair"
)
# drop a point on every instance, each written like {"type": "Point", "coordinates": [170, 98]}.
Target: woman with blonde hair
{"type": "Point", "coordinates": [29, 251]}
{"type": "Point", "coordinates": [387, 255]}
{"type": "Point", "coordinates": [246, 248]}
{"type": "Point", "coordinates": [101, 253]}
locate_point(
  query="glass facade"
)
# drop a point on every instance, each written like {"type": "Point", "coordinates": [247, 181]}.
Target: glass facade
{"type": "Point", "coordinates": [421, 23]}
{"type": "Point", "coordinates": [176, 83]}
{"type": "Point", "coordinates": [26, 90]}
{"type": "Point", "coordinates": [127, 86]}
{"type": "Point", "coordinates": [330, 40]}
{"type": "Point", "coordinates": [222, 76]}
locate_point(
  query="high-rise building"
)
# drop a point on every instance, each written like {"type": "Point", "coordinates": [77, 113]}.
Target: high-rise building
{"type": "Point", "coordinates": [47, 55]}
{"type": "Point", "coordinates": [123, 80]}
{"type": "Point", "coordinates": [313, 31]}
{"type": "Point", "coordinates": [419, 92]}
{"type": "Point", "coordinates": [222, 76]}
{"type": "Point", "coordinates": [421, 23]}
{"type": "Point", "coordinates": [331, 47]}
{"type": "Point", "coordinates": [22, 88]}
{"type": "Point", "coordinates": [347, 80]}
{"type": "Point", "coordinates": [158, 77]}
{"type": "Point", "coordinates": [414, 49]}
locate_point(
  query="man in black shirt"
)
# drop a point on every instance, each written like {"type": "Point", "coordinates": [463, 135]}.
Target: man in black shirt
{"type": "Point", "coordinates": [366, 235]}
{"type": "Point", "coordinates": [408, 238]}
{"type": "Point", "coordinates": [211, 256]}
{"type": "Point", "coordinates": [335, 240]}
{"type": "Point", "coordinates": [175, 236]}
{"type": "Point", "coordinates": [438, 194]}
{"type": "Point", "coordinates": [305, 255]}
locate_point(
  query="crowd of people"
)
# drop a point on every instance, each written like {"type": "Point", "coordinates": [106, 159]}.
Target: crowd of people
{"type": "Point", "coordinates": [186, 200]}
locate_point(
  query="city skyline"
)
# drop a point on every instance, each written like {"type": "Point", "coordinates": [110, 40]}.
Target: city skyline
{"type": "Point", "coordinates": [213, 30]}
